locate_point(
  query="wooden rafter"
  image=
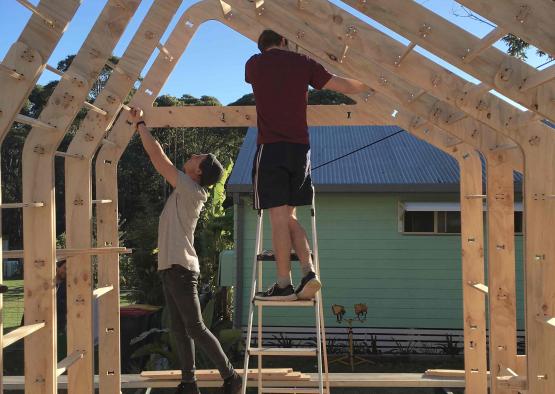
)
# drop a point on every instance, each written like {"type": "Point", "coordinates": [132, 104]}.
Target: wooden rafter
{"type": "Point", "coordinates": [452, 43]}
{"type": "Point", "coordinates": [532, 20]}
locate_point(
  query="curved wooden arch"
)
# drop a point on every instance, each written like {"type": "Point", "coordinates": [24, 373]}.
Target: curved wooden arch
{"type": "Point", "coordinates": [477, 337]}
{"type": "Point", "coordinates": [432, 103]}
{"type": "Point", "coordinates": [38, 185]}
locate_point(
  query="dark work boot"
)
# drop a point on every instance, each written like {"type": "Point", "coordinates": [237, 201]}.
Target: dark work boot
{"type": "Point", "coordinates": [187, 388]}
{"type": "Point", "coordinates": [233, 384]}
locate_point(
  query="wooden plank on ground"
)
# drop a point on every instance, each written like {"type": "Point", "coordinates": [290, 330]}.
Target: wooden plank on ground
{"type": "Point", "coordinates": [353, 380]}
{"type": "Point", "coordinates": [213, 374]}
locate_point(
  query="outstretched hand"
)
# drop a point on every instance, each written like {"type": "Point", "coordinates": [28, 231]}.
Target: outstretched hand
{"type": "Point", "coordinates": [136, 114]}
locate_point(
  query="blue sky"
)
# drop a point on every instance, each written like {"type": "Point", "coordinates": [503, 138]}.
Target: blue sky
{"type": "Point", "coordinates": [214, 62]}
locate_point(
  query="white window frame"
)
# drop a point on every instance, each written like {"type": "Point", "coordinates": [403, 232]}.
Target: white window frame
{"type": "Point", "coordinates": [430, 206]}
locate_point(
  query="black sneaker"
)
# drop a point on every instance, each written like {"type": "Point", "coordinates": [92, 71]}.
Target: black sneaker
{"type": "Point", "coordinates": [233, 384]}
{"type": "Point", "coordinates": [310, 285]}
{"type": "Point", "coordinates": [187, 388]}
{"type": "Point", "coordinates": [276, 293]}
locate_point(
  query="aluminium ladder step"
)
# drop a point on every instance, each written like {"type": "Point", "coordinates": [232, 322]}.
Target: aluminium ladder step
{"type": "Point", "coordinates": [284, 303]}
{"type": "Point", "coordinates": [271, 351]}
{"type": "Point", "coordinates": [268, 255]}
{"type": "Point", "coordinates": [290, 390]}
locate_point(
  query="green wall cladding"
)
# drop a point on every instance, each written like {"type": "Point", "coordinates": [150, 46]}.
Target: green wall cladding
{"type": "Point", "coordinates": [407, 281]}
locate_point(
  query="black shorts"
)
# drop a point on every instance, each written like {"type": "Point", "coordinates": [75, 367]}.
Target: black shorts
{"type": "Point", "coordinates": [281, 175]}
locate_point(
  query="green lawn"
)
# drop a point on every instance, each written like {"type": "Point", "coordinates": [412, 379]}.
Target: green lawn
{"type": "Point", "coordinates": [13, 303]}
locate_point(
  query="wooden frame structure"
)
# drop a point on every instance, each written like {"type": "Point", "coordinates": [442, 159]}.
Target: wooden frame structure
{"type": "Point", "coordinates": [463, 119]}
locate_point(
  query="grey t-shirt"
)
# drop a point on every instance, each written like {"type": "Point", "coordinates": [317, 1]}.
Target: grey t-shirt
{"type": "Point", "coordinates": [177, 224]}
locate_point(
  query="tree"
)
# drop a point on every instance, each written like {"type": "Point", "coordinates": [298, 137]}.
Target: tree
{"type": "Point", "coordinates": [517, 47]}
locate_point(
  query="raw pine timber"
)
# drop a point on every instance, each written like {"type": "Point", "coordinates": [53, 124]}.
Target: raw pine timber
{"type": "Point", "coordinates": [531, 20]}
{"type": "Point", "coordinates": [433, 104]}
{"type": "Point", "coordinates": [28, 55]}
{"type": "Point", "coordinates": [501, 265]}
{"type": "Point", "coordinates": [476, 355]}
{"type": "Point", "coordinates": [65, 253]}
{"type": "Point", "coordinates": [79, 205]}
{"type": "Point", "coordinates": [106, 181]}
{"type": "Point", "coordinates": [39, 226]}
{"type": "Point", "coordinates": [427, 107]}
{"type": "Point", "coordinates": [20, 70]}
{"type": "Point", "coordinates": [353, 380]}
{"type": "Point", "coordinates": [475, 372]}
{"type": "Point", "coordinates": [492, 67]}
{"type": "Point", "coordinates": [245, 116]}
{"type": "Point", "coordinates": [537, 143]}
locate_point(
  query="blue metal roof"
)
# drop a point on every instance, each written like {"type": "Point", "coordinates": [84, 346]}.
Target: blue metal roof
{"type": "Point", "coordinates": [400, 163]}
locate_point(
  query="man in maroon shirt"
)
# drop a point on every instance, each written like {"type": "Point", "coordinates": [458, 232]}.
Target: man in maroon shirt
{"type": "Point", "coordinates": [281, 168]}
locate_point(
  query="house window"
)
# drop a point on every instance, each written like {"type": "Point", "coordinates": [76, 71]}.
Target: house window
{"type": "Point", "coordinates": [431, 222]}
{"type": "Point", "coordinates": [439, 218]}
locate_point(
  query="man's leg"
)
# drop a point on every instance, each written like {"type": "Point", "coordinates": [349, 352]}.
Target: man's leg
{"type": "Point", "coordinates": [300, 242]}
{"type": "Point", "coordinates": [281, 240]}
{"type": "Point", "coordinates": [184, 288]}
{"type": "Point", "coordinates": [185, 345]}
{"type": "Point", "coordinates": [310, 283]}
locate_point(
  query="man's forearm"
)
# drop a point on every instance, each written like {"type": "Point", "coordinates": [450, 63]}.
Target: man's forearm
{"type": "Point", "coordinates": [152, 147]}
{"type": "Point", "coordinates": [346, 85]}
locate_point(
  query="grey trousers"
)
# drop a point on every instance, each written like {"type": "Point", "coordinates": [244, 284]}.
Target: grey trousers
{"type": "Point", "coordinates": [180, 291]}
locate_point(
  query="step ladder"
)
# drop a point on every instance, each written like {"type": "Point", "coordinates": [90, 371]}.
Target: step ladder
{"type": "Point", "coordinates": [319, 351]}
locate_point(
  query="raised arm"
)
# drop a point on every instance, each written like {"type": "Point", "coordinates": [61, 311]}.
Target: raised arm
{"type": "Point", "coordinates": [346, 85]}
{"type": "Point", "coordinates": [159, 160]}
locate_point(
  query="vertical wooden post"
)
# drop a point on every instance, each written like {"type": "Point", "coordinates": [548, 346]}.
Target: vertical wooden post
{"type": "Point", "coordinates": [106, 187]}
{"type": "Point", "coordinates": [539, 257]}
{"type": "Point", "coordinates": [78, 188]}
{"type": "Point", "coordinates": [474, 303]}
{"type": "Point", "coordinates": [39, 224]}
{"type": "Point", "coordinates": [501, 264]}
{"type": "Point", "coordinates": [27, 57]}
{"type": "Point", "coordinates": [1, 311]}
{"type": "Point", "coordinates": [79, 218]}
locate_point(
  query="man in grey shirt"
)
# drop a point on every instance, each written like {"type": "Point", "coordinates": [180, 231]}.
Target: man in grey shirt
{"type": "Point", "coordinates": [177, 259]}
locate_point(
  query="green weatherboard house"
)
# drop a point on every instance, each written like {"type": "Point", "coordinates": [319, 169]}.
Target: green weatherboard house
{"type": "Point", "coordinates": [388, 221]}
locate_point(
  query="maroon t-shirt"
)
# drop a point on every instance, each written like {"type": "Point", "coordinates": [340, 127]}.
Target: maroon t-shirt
{"type": "Point", "coordinates": [280, 82]}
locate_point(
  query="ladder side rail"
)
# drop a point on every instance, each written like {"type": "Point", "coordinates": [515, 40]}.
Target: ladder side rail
{"type": "Point", "coordinates": [323, 351]}
{"type": "Point", "coordinates": [251, 303]}
{"type": "Point", "coordinates": [260, 337]}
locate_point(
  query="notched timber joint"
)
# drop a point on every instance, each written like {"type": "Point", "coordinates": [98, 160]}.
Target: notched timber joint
{"type": "Point", "coordinates": [226, 10]}
{"type": "Point", "coordinates": [70, 360]}
{"type": "Point", "coordinates": [22, 205]}
{"type": "Point", "coordinates": [259, 7]}
{"type": "Point", "coordinates": [167, 55]}
{"type": "Point", "coordinates": [11, 72]}
{"type": "Point", "coordinates": [20, 333]}
{"type": "Point", "coordinates": [402, 57]}
{"type": "Point", "coordinates": [34, 122]}
{"type": "Point", "coordinates": [101, 201]}
{"type": "Point", "coordinates": [47, 20]}
{"type": "Point", "coordinates": [95, 108]}
{"type": "Point", "coordinates": [479, 286]}
{"type": "Point", "coordinates": [425, 30]}
{"type": "Point", "coordinates": [69, 155]}
{"type": "Point", "coordinates": [366, 96]}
